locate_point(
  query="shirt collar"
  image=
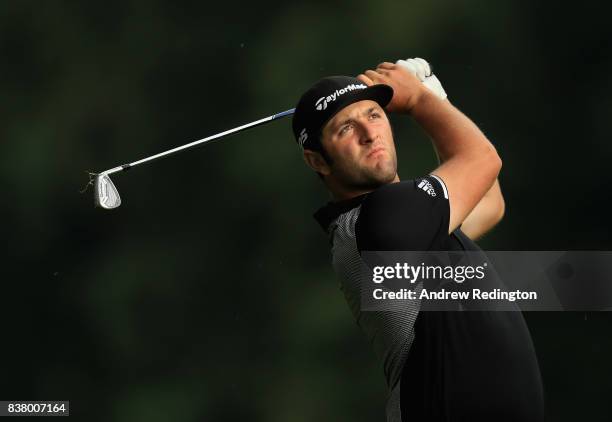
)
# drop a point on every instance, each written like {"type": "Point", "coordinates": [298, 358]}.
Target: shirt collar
{"type": "Point", "coordinates": [332, 210]}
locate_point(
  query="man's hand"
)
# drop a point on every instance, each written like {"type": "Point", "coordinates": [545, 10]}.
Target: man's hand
{"type": "Point", "coordinates": [422, 70]}
{"type": "Point", "coordinates": [407, 88]}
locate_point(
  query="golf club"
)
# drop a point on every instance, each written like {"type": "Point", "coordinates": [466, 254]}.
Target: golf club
{"type": "Point", "coordinates": [105, 193]}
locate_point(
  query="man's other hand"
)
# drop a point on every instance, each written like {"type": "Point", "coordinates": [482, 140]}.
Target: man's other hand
{"type": "Point", "coordinates": [407, 88]}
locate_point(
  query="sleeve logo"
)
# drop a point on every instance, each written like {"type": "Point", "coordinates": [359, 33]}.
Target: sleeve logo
{"type": "Point", "coordinates": [427, 187]}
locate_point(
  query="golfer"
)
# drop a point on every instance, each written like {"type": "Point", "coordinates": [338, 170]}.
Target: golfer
{"type": "Point", "coordinates": [439, 366]}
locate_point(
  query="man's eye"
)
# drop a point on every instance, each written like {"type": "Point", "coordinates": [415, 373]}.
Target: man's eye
{"type": "Point", "coordinates": [344, 129]}
{"type": "Point", "coordinates": [374, 116]}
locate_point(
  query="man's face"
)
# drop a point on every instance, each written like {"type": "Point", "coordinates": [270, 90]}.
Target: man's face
{"type": "Point", "coordinates": [359, 142]}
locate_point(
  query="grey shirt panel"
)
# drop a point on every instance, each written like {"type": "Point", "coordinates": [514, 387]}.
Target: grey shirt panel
{"type": "Point", "coordinates": [391, 332]}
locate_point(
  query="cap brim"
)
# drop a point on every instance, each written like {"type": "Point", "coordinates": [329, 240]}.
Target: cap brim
{"type": "Point", "coordinates": [379, 93]}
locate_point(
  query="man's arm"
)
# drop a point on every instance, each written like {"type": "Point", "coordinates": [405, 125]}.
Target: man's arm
{"type": "Point", "coordinates": [470, 163]}
{"type": "Point", "coordinates": [488, 212]}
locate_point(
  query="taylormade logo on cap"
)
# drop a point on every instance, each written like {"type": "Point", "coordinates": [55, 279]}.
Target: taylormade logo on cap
{"type": "Point", "coordinates": [322, 102]}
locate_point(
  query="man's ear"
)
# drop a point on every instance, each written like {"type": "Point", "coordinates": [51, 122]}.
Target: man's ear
{"type": "Point", "coordinates": [316, 162]}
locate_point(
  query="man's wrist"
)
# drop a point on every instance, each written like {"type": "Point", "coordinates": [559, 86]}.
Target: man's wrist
{"type": "Point", "coordinates": [422, 103]}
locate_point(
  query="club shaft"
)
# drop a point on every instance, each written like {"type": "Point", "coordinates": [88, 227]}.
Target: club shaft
{"type": "Point", "coordinates": [201, 141]}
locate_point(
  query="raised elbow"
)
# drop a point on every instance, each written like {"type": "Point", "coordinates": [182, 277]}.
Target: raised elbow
{"type": "Point", "coordinates": [496, 161]}
{"type": "Point", "coordinates": [501, 209]}
{"type": "Point", "coordinates": [489, 164]}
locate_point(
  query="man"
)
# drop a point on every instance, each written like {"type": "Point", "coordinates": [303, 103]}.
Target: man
{"type": "Point", "coordinates": [439, 366]}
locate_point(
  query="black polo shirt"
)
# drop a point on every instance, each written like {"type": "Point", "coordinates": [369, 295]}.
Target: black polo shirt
{"type": "Point", "coordinates": [439, 366]}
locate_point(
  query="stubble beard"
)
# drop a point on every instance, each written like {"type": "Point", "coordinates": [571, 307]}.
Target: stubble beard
{"type": "Point", "coordinates": [368, 178]}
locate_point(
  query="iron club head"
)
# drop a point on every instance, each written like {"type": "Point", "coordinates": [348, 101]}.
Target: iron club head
{"type": "Point", "coordinates": [105, 193]}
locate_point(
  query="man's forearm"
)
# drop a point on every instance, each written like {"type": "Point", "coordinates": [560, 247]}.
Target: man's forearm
{"type": "Point", "coordinates": [486, 214]}
{"type": "Point", "coordinates": [451, 132]}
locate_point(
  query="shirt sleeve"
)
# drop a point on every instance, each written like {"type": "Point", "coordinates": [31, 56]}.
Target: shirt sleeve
{"type": "Point", "coordinates": [405, 216]}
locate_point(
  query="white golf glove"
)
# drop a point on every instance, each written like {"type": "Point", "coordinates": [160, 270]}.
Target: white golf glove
{"type": "Point", "coordinates": [421, 69]}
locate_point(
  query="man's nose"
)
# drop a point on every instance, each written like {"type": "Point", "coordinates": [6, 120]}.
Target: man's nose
{"type": "Point", "coordinates": [366, 133]}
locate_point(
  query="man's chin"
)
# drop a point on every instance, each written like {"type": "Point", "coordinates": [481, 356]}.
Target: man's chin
{"type": "Point", "coordinates": [385, 173]}
{"type": "Point", "coordinates": [378, 179]}
{"type": "Point", "coordinates": [371, 178]}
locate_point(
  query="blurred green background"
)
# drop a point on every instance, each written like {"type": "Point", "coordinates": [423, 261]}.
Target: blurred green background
{"type": "Point", "coordinates": [209, 296]}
